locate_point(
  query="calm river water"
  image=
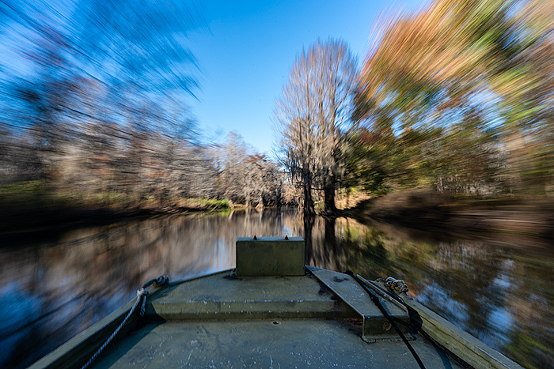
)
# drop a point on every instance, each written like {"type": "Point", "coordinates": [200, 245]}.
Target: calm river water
{"type": "Point", "coordinates": [499, 289]}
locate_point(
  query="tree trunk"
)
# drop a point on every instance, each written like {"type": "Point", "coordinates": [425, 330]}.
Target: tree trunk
{"type": "Point", "coordinates": [329, 195]}
{"type": "Point", "coordinates": [260, 205]}
{"type": "Point", "coordinates": [308, 199]}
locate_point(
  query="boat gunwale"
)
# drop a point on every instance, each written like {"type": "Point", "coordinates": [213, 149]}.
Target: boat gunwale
{"type": "Point", "coordinates": [81, 347]}
{"type": "Point", "coordinates": [459, 342]}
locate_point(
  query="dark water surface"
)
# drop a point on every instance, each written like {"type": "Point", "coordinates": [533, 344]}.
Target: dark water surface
{"type": "Point", "coordinates": [500, 289]}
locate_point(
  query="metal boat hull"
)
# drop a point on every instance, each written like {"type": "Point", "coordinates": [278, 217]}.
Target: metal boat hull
{"type": "Point", "coordinates": [322, 319]}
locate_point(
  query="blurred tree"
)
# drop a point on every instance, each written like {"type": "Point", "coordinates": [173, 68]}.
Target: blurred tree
{"type": "Point", "coordinates": [368, 160]}
{"type": "Point", "coordinates": [231, 158]}
{"type": "Point", "coordinates": [98, 88]}
{"type": "Point", "coordinates": [137, 45]}
{"type": "Point", "coordinates": [313, 116]}
{"type": "Point", "coordinates": [468, 68]}
{"type": "Point", "coordinates": [245, 176]}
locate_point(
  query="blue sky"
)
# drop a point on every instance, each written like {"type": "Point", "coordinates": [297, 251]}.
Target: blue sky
{"type": "Point", "coordinates": [248, 47]}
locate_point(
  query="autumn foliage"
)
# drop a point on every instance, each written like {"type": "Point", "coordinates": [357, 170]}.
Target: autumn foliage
{"type": "Point", "coordinates": [474, 79]}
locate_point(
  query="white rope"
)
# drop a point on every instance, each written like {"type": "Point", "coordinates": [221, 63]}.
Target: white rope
{"type": "Point", "coordinates": [140, 293]}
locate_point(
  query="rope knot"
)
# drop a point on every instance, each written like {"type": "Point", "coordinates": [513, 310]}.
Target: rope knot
{"type": "Point", "coordinates": [393, 284]}
{"type": "Point", "coordinates": [161, 280]}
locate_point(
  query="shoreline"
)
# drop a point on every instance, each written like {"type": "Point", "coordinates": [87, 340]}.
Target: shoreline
{"type": "Point", "coordinates": [21, 225]}
{"type": "Point", "coordinates": [434, 212]}
{"type": "Point", "coordinates": [418, 210]}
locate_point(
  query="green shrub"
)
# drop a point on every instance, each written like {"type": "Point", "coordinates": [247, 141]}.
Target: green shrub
{"type": "Point", "coordinates": [23, 192]}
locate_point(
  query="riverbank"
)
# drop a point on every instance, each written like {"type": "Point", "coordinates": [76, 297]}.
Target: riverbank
{"type": "Point", "coordinates": [24, 221]}
{"type": "Point", "coordinates": [432, 211]}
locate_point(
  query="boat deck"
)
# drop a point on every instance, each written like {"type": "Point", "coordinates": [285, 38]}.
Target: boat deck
{"type": "Point", "coordinates": [222, 321]}
{"type": "Point", "coordinates": [263, 344]}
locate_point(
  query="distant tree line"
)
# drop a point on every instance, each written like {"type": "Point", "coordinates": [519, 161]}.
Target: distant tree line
{"type": "Point", "coordinates": [458, 97]}
{"type": "Point", "coordinates": [92, 106]}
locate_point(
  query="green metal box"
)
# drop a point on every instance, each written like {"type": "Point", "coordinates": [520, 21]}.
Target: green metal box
{"type": "Point", "coordinates": [270, 256]}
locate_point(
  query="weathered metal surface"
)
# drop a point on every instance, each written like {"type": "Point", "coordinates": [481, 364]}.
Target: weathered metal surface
{"type": "Point", "coordinates": [225, 296]}
{"type": "Point", "coordinates": [270, 256]}
{"type": "Point", "coordinates": [375, 325]}
{"type": "Point", "coordinates": [263, 344]}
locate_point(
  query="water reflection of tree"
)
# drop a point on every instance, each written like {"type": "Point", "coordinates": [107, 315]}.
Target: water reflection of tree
{"type": "Point", "coordinates": [308, 221]}
{"type": "Point", "coordinates": [477, 266]}
{"type": "Point", "coordinates": [532, 302]}
{"type": "Point", "coordinates": [90, 272]}
{"type": "Point", "coordinates": [345, 247]}
{"type": "Point", "coordinates": [490, 291]}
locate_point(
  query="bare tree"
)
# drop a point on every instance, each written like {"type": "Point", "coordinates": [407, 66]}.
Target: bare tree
{"type": "Point", "coordinates": [313, 116]}
{"type": "Point", "coordinates": [246, 176]}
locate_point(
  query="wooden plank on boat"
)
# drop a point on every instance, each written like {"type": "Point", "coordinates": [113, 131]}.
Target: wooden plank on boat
{"type": "Point", "coordinates": [454, 339]}
{"type": "Point", "coordinates": [461, 343]}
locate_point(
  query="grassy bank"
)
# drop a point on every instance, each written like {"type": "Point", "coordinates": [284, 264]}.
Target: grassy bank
{"type": "Point", "coordinates": [33, 206]}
